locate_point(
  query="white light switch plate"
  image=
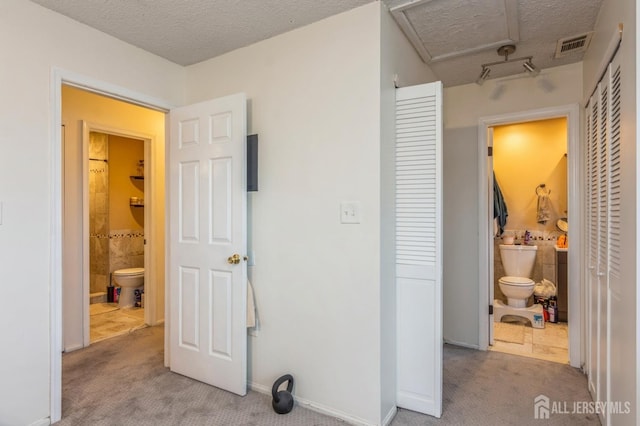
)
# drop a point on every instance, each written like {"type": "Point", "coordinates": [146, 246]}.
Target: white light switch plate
{"type": "Point", "coordinates": [350, 212]}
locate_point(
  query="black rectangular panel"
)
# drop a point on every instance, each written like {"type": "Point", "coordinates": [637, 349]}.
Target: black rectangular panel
{"type": "Point", "coordinates": [252, 163]}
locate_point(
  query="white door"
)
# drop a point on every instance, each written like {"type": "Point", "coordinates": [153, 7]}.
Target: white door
{"type": "Point", "coordinates": [419, 247]}
{"type": "Point", "coordinates": [207, 228]}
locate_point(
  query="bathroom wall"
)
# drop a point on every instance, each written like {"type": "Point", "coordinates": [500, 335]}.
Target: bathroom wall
{"type": "Point", "coordinates": [526, 155]}
{"type": "Point", "coordinates": [126, 222]}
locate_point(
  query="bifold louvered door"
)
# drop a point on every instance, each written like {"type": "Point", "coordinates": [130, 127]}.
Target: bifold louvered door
{"type": "Point", "coordinates": [603, 226]}
{"type": "Point", "coordinates": [419, 247]}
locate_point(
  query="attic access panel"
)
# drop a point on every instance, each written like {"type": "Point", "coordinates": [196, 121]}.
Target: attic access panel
{"type": "Point", "coordinates": [445, 29]}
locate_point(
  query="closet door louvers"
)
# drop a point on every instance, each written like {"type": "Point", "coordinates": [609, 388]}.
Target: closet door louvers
{"type": "Point", "coordinates": [603, 204]}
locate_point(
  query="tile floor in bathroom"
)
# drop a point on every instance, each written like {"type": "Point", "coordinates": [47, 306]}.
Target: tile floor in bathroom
{"type": "Point", "coordinates": [550, 343]}
{"type": "Point", "coordinates": [108, 320]}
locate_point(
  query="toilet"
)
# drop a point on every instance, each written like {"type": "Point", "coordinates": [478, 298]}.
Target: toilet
{"type": "Point", "coordinates": [518, 262]}
{"type": "Point", "coordinates": [128, 279]}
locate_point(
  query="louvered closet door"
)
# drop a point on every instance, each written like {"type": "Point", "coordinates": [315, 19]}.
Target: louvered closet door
{"type": "Point", "coordinates": [603, 227]}
{"type": "Point", "coordinates": [615, 360]}
{"type": "Point", "coordinates": [592, 242]}
{"type": "Point", "coordinates": [597, 238]}
{"type": "Point", "coordinates": [419, 247]}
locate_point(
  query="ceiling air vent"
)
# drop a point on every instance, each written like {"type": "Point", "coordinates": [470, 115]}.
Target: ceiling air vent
{"type": "Point", "coordinates": [578, 43]}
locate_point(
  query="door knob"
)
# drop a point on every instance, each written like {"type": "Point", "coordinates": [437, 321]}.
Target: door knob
{"type": "Point", "coordinates": [234, 260]}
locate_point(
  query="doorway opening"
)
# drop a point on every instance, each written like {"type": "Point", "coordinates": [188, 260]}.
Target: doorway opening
{"type": "Point", "coordinates": [116, 240]}
{"type": "Point", "coordinates": [530, 199]}
{"type": "Point", "coordinates": [489, 250]}
{"type": "Point", "coordinates": [113, 213]}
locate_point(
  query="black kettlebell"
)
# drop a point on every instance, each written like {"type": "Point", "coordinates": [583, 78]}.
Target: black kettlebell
{"type": "Point", "coordinates": [282, 400]}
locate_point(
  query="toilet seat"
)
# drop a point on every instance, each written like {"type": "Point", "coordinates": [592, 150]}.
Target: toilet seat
{"type": "Point", "coordinates": [516, 281]}
{"type": "Point", "coordinates": [128, 272]}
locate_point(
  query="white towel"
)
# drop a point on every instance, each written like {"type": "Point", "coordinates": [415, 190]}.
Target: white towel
{"type": "Point", "coordinates": [544, 208]}
{"type": "Point", "coordinates": [251, 306]}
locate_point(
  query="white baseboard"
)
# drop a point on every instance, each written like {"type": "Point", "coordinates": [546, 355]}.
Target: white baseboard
{"type": "Point", "coordinates": [462, 344]}
{"type": "Point", "coordinates": [73, 348]}
{"type": "Point", "coordinates": [314, 406]}
{"type": "Point", "coordinates": [42, 422]}
{"type": "Point", "coordinates": [389, 417]}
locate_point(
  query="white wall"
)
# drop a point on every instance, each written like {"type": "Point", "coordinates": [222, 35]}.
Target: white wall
{"type": "Point", "coordinates": [463, 107]}
{"type": "Point", "coordinates": [314, 101]}
{"type": "Point", "coordinates": [398, 57]}
{"type": "Point", "coordinates": [623, 294]}
{"type": "Point", "coordinates": [34, 41]}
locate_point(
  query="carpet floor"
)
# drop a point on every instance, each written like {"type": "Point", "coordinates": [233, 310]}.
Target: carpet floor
{"type": "Point", "coordinates": [122, 381]}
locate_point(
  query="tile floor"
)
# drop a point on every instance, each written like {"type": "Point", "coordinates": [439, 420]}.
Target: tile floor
{"type": "Point", "coordinates": [108, 320]}
{"type": "Point", "coordinates": [550, 343]}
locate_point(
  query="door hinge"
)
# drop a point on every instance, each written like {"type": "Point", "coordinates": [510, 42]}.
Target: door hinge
{"type": "Point", "coordinates": [490, 309]}
{"type": "Point", "coordinates": [490, 151]}
{"type": "Point", "coordinates": [144, 241]}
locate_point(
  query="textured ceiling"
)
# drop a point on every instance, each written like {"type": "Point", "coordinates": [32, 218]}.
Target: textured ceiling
{"type": "Point", "coordinates": [191, 31]}
{"type": "Point", "coordinates": [456, 36]}
{"type": "Point", "coordinates": [453, 36]}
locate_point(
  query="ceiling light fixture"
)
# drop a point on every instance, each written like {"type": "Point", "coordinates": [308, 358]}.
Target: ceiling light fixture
{"type": "Point", "coordinates": [483, 76]}
{"type": "Point", "coordinates": [531, 69]}
{"type": "Point", "coordinates": [505, 51]}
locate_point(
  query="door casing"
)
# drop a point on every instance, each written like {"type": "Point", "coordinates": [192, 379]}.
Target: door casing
{"type": "Point", "coordinates": [58, 78]}
{"type": "Point", "coordinates": [575, 213]}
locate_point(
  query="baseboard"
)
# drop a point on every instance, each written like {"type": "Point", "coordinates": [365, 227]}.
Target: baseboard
{"type": "Point", "coordinates": [462, 344]}
{"type": "Point", "coordinates": [314, 406]}
{"type": "Point", "coordinates": [390, 415]}
{"type": "Point", "coordinates": [42, 422]}
{"type": "Point", "coordinates": [73, 348]}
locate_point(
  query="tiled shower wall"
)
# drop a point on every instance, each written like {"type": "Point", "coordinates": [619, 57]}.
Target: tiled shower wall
{"type": "Point", "coordinates": [545, 266]}
{"type": "Point", "coordinates": [98, 213]}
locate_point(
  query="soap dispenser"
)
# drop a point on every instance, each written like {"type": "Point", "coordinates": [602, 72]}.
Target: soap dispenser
{"type": "Point", "coordinates": [527, 237]}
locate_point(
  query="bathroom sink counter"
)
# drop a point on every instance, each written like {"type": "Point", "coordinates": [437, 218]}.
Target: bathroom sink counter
{"type": "Point", "coordinates": [565, 249]}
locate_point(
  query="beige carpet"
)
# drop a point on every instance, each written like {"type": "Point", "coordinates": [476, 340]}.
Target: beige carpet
{"type": "Point", "coordinates": [506, 332]}
{"type": "Point", "coordinates": [122, 381]}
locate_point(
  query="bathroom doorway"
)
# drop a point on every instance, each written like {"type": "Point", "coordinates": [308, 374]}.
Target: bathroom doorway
{"type": "Point", "coordinates": [530, 188]}
{"type": "Point", "coordinates": [489, 245]}
{"type": "Point", "coordinates": [113, 212]}
{"type": "Point", "coordinates": [116, 194]}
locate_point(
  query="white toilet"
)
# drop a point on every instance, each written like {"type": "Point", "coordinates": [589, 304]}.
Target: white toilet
{"type": "Point", "coordinates": [128, 279]}
{"type": "Point", "coordinates": [518, 262]}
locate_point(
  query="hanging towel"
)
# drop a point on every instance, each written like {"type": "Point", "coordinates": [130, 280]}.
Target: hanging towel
{"type": "Point", "coordinates": [499, 207]}
{"type": "Point", "coordinates": [251, 306]}
{"type": "Point", "coordinates": [544, 208]}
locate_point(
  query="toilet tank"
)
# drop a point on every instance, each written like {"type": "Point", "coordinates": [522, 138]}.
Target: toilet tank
{"type": "Point", "coordinates": [518, 260]}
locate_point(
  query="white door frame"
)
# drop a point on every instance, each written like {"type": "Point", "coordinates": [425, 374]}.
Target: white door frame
{"type": "Point", "coordinates": [150, 312]}
{"type": "Point", "coordinates": [575, 214]}
{"type": "Point", "coordinates": [58, 78]}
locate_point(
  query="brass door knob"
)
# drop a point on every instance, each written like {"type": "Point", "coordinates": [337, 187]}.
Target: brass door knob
{"type": "Point", "coordinates": [234, 260]}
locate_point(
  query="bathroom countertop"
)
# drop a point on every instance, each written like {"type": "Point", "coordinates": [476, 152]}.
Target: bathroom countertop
{"type": "Point", "coordinates": [561, 248]}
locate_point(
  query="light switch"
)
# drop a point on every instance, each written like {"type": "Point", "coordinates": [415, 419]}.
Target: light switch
{"type": "Point", "coordinates": [350, 212]}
